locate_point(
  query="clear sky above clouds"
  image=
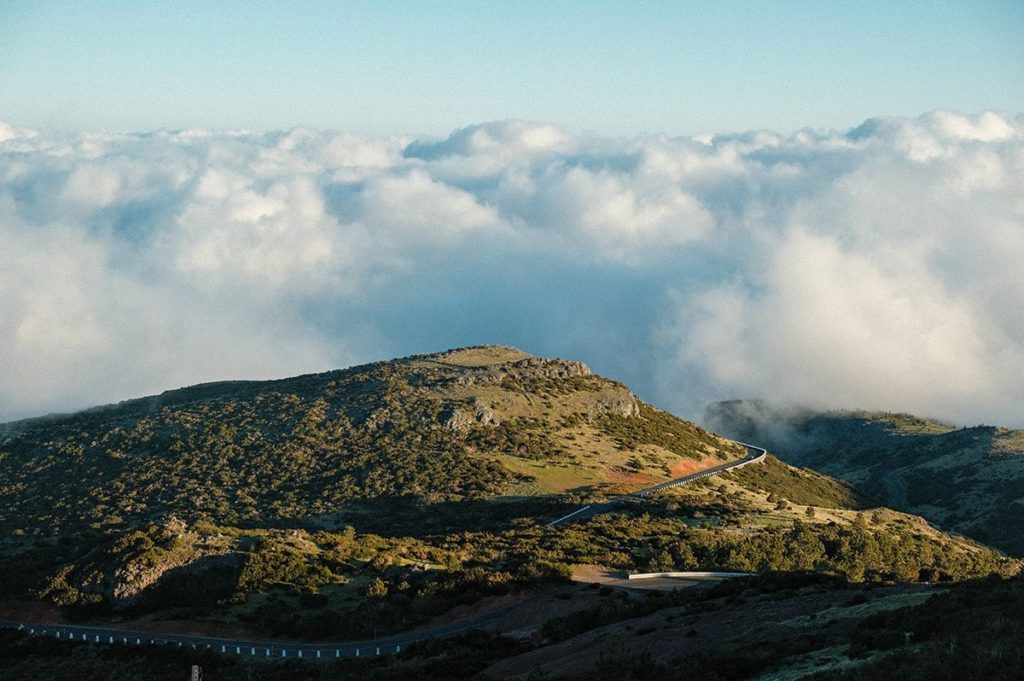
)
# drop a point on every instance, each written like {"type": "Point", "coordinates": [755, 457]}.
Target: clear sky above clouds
{"type": "Point", "coordinates": [876, 268]}
{"type": "Point", "coordinates": [615, 68]}
{"type": "Point", "coordinates": [194, 191]}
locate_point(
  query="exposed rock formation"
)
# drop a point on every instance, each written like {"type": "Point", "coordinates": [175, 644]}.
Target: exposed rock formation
{"type": "Point", "coordinates": [621, 402]}
{"type": "Point", "coordinates": [461, 418]}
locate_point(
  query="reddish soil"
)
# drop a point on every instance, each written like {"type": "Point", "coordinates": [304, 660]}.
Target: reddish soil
{"type": "Point", "coordinates": [689, 466]}
{"type": "Point", "coordinates": [592, 574]}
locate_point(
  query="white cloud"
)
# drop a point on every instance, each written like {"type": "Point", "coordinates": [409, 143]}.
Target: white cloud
{"type": "Point", "coordinates": [503, 138]}
{"type": "Point", "coordinates": [414, 206]}
{"type": "Point", "coordinates": [277, 235]}
{"type": "Point", "coordinates": [841, 327]}
{"type": "Point", "coordinates": [10, 133]}
{"type": "Point", "coordinates": [878, 267]}
{"type": "Point", "coordinates": [92, 186]}
{"type": "Point", "coordinates": [986, 128]}
{"type": "Point", "coordinates": [619, 215]}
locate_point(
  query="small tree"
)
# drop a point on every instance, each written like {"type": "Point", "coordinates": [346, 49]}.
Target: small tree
{"type": "Point", "coordinates": [662, 562]}
{"type": "Point", "coordinates": [377, 588]}
{"type": "Point", "coordinates": [810, 512]}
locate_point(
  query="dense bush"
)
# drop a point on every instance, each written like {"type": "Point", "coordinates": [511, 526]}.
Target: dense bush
{"type": "Point", "coordinates": [799, 486]}
{"type": "Point", "coordinates": [655, 427]}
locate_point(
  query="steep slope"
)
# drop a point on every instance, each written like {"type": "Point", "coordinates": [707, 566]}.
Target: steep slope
{"type": "Point", "coordinates": [969, 480]}
{"type": "Point", "coordinates": [465, 424]}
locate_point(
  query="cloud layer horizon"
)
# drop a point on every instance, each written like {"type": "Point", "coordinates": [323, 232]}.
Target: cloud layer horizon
{"type": "Point", "coordinates": [879, 267]}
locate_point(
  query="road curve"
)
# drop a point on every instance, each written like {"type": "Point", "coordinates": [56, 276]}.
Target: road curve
{"type": "Point", "coordinates": [754, 455]}
{"type": "Point", "coordinates": [328, 650]}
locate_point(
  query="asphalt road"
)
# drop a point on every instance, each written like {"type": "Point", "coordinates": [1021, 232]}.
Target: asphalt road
{"type": "Point", "coordinates": [259, 649]}
{"type": "Point", "coordinates": [330, 650]}
{"type": "Point", "coordinates": [754, 454]}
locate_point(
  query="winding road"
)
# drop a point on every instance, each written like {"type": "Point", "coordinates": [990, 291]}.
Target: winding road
{"type": "Point", "coordinates": [372, 647]}
{"type": "Point", "coordinates": [258, 649]}
{"type": "Point", "coordinates": [754, 454]}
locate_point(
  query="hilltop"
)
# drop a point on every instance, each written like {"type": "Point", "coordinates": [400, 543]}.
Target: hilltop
{"type": "Point", "coordinates": [472, 423]}
{"type": "Point", "coordinates": [968, 480]}
{"type": "Point", "coordinates": [403, 493]}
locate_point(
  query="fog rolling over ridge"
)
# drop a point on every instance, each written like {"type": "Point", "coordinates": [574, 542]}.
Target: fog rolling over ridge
{"type": "Point", "coordinates": [877, 267]}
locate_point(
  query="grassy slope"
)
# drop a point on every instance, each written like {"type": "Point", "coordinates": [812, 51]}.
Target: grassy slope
{"type": "Point", "coordinates": [371, 499]}
{"type": "Point", "coordinates": [259, 452]}
{"type": "Point", "coordinates": [968, 480]}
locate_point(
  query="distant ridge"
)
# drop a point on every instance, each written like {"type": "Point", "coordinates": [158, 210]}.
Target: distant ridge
{"type": "Point", "coordinates": [968, 480]}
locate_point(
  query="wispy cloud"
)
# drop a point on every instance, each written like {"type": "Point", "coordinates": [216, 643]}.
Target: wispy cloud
{"type": "Point", "coordinates": [878, 267]}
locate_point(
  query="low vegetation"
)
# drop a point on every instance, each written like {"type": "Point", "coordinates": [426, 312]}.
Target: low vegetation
{"type": "Point", "coordinates": [967, 480]}
{"type": "Point", "coordinates": [963, 631]}
{"type": "Point", "coordinates": [373, 500]}
{"type": "Point", "coordinates": [346, 584]}
{"type": "Point", "coordinates": [259, 453]}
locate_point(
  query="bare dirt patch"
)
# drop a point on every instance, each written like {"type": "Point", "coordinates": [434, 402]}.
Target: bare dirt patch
{"type": "Point", "coordinates": [595, 574]}
{"type": "Point", "coordinates": [689, 466]}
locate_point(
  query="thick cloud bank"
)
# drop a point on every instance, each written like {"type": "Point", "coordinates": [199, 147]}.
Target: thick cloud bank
{"type": "Point", "coordinates": [881, 267]}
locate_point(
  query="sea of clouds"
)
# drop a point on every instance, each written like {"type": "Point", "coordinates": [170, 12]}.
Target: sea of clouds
{"type": "Point", "coordinates": [880, 267]}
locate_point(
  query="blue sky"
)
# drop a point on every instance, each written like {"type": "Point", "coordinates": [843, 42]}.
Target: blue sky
{"type": "Point", "coordinates": [875, 269]}
{"type": "Point", "coordinates": [614, 68]}
{"type": "Point", "coordinates": [418, 176]}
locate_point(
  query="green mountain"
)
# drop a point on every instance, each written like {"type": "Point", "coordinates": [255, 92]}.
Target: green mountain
{"type": "Point", "coordinates": [466, 424]}
{"type": "Point", "coordinates": [384, 497]}
{"type": "Point", "coordinates": [967, 480]}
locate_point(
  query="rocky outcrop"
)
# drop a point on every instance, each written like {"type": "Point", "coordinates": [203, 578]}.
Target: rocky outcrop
{"type": "Point", "coordinates": [620, 402]}
{"type": "Point", "coordinates": [135, 563]}
{"type": "Point", "coordinates": [531, 367]}
{"type": "Point", "coordinates": [463, 417]}
{"type": "Point", "coordinates": [549, 368]}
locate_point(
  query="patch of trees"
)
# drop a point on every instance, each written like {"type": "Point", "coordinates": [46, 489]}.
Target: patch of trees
{"type": "Point", "coordinates": [972, 631]}
{"type": "Point", "coordinates": [655, 427]}
{"type": "Point", "coordinates": [798, 486]}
